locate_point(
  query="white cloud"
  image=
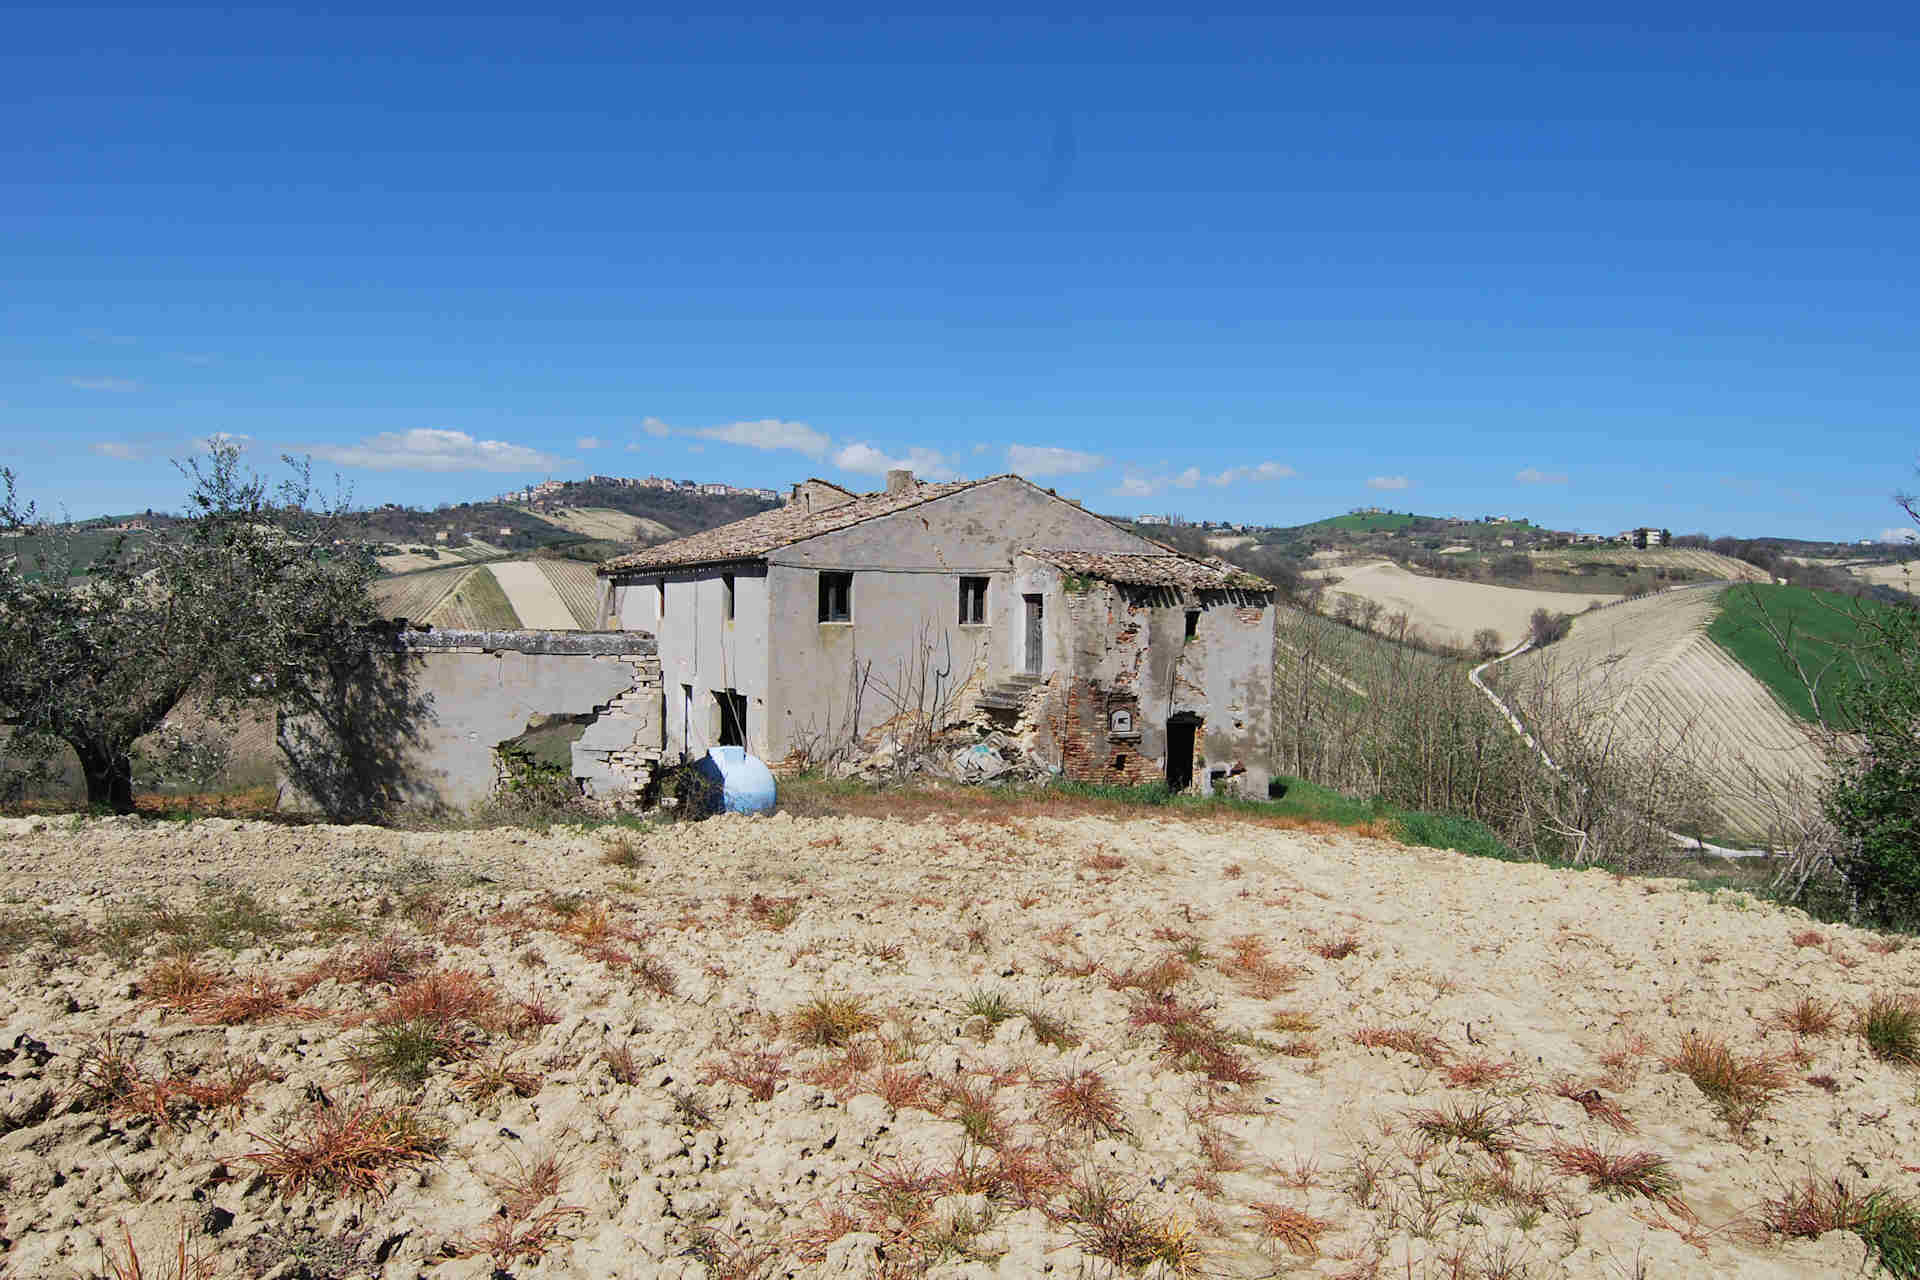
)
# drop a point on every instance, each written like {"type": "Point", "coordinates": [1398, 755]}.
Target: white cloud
{"type": "Point", "coordinates": [1051, 460]}
{"type": "Point", "coordinates": [121, 385]}
{"type": "Point", "coordinates": [120, 450]}
{"type": "Point", "coordinates": [1533, 475]}
{"type": "Point", "coordinates": [768, 433]}
{"type": "Point", "coordinates": [1135, 483]}
{"type": "Point", "coordinates": [434, 449]}
{"type": "Point", "coordinates": [1899, 534]}
{"type": "Point", "coordinates": [863, 458]}
{"type": "Point", "coordinates": [656, 428]}
{"type": "Point", "coordinates": [1386, 482]}
{"type": "Point", "coordinates": [587, 442]}
{"type": "Point", "coordinates": [1256, 471]}
{"type": "Point", "coordinates": [1187, 479]}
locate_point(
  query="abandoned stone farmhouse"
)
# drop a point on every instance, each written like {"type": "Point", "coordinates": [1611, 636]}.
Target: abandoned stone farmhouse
{"type": "Point", "coordinates": [840, 618]}
{"type": "Point", "coordinates": [836, 625]}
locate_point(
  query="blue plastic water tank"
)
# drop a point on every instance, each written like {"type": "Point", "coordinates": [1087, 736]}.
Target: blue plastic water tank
{"type": "Point", "coordinates": [744, 783]}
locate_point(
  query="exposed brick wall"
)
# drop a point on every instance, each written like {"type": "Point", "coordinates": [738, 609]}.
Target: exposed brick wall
{"type": "Point", "coordinates": [1088, 751]}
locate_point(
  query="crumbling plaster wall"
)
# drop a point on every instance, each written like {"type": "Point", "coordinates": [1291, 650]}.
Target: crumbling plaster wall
{"type": "Point", "coordinates": [702, 651]}
{"type": "Point", "coordinates": [1111, 647]}
{"type": "Point", "coordinates": [906, 587]}
{"type": "Point", "coordinates": [478, 689]}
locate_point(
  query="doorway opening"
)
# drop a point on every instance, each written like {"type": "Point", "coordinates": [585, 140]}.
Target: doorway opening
{"type": "Point", "coordinates": [1033, 635]}
{"type": "Point", "coordinates": [1182, 732]}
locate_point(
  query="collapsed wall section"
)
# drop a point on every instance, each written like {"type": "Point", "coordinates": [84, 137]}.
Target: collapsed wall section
{"type": "Point", "coordinates": [444, 700]}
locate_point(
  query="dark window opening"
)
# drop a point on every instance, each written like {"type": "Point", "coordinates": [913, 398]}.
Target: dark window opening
{"type": "Point", "coordinates": [1119, 762]}
{"type": "Point", "coordinates": [733, 717]}
{"type": "Point", "coordinates": [836, 597]}
{"type": "Point", "coordinates": [1193, 623]}
{"type": "Point", "coordinates": [973, 601]}
{"type": "Point", "coordinates": [686, 720]}
{"type": "Point", "coordinates": [661, 586]}
{"type": "Point", "coordinates": [726, 596]}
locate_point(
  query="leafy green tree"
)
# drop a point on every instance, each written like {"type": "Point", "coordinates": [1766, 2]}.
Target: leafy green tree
{"type": "Point", "coordinates": [1873, 798]}
{"type": "Point", "coordinates": [243, 601]}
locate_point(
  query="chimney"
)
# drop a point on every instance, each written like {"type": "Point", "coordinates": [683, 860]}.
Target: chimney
{"type": "Point", "coordinates": [899, 481]}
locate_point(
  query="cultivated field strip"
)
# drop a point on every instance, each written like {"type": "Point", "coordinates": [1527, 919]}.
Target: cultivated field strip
{"type": "Point", "coordinates": [1448, 611]}
{"type": "Point", "coordinates": [1649, 669]}
{"type": "Point", "coordinates": [418, 594]}
{"type": "Point", "coordinates": [477, 603]}
{"type": "Point", "coordinates": [532, 596]}
{"type": "Point", "coordinates": [1710, 563]}
{"type": "Point", "coordinates": [578, 586]}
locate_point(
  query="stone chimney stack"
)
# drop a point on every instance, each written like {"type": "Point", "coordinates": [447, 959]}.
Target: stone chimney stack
{"type": "Point", "coordinates": [899, 481]}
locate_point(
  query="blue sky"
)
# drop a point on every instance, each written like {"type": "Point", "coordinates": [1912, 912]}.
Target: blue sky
{"type": "Point", "coordinates": [1656, 268]}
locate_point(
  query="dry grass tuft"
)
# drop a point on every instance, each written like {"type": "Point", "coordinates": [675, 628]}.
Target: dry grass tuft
{"type": "Point", "coordinates": [1161, 976]}
{"type": "Point", "coordinates": [444, 998]}
{"type": "Point", "coordinates": [1429, 1049]}
{"type": "Point", "coordinates": [1336, 948]}
{"type": "Point", "coordinates": [757, 1071]}
{"type": "Point", "coordinates": [1739, 1087]}
{"type": "Point", "coordinates": [1808, 1016]}
{"type": "Point", "coordinates": [179, 983]}
{"type": "Point", "coordinates": [1115, 1228]}
{"type": "Point", "coordinates": [1104, 862]}
{"type": "Point", "coordinates": [1810, 938]}
{"type": "Point", "coordinates": [1084, 1100]}
{"type": "Point", "coordinates": [1594, 1103]}
{"type": "Point", "coordinates": [481, 1080]}
{"type": "Point", "coordinates": [1481, 1071]}
{"type": "Point", "coordinates": [1491, 1126]}
{"type": "Point", "coordinates": [353, 1150]}
{"type": "Point", "coordinates": [830, 1021]}
{"type": "Point", "coordinates": [1192, 1042]}
{"type": "Point", "coordinates": [1296, 1231]}
{"type": "Point", "coordinates": [186, 1263]}
{"type": "Point", "coordinates": [507, 1239]}
{"type": "Point", "coordinates": [1293, 1021]}
{"type": "Point", "coordinates": [1887, 1222]}
{"type": "Point", "coordinates": [1253, 966]}
{"type": "Point", "coordinates": [1620, 1176]}
{"type": "Point", "coordinates": [903, 1088]}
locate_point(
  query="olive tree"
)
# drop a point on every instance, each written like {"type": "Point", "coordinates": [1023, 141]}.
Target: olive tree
{"type": "Point", "coordinates": [239, 602]}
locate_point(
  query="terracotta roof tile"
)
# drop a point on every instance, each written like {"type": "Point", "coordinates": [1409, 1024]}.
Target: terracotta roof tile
{"type": "Point", "coordinates": [1169, 570]}
{"type": "Point", "coordinates": [754, 537]}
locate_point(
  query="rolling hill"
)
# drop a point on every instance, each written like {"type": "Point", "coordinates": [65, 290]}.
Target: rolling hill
{"type": "Point", "coordinates": [553, 595]}
{"type": "Point", "coordinates": [1649, 671]}
{"type": "Point", "coordinates": [1448, 611]}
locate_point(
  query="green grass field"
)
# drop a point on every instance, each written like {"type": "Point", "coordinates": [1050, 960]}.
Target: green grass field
{"type": "Point", "coordinates": [1826, 636]}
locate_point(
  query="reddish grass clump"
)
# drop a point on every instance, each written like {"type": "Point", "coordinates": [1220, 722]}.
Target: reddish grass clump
{"type": "Point", "coordinates": [250, 1001]}
{"type": "Point", "coordinates": [186, 1263]}
{"type": "Point", "coordinates": [1192, 1042]}
{"type": "Point", "coordinates": [1620, 1176]}
{"type": "Point", "coordinates": [1594, 1103]}
{"type": "Point", "coordinates": [902, 1088]}
{"type": "Point", "coordinates": [1429, 1049]}
{"type": "Point", "coordinates": [1739, 1087]}
{"type": "Point", "coordinates": [757, 1071]}
{"type": "Point", "coordinates": [830, 1021]}
{"type": "Point", "coordinates": [1104, 862]}
{"type": "Point", "coordinates": [1480, 1072]}
{"type": "Point", "coordinates": [507, 1239]}
{"type": "Point", "coordinates": [179, 982]}
{"type": "Point", "coordinates": [1084, 1100]}
{"type": "Point", "coordinates": [1162, 975]}
{"type": "Point", "coordinates": [1336, 948]}
{"type": "Point", "coordinates": [356, 1150]}
{"type": "Point", "coordinates": [1297, 1231]}
{"type": "Point", "coordinates": [448, 996]}
{"type": "Point", "coordinates": [1809, 938]}
{"type": "Point", "coordinates": [1256, 971]}
{"type": "Point", "coordinates": [1808, 1016]}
